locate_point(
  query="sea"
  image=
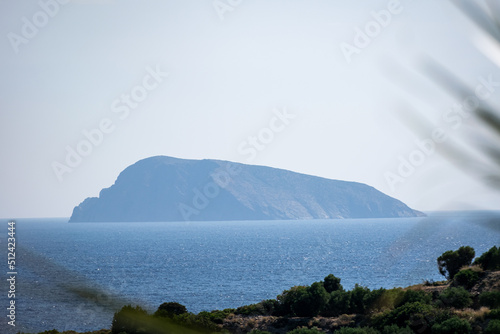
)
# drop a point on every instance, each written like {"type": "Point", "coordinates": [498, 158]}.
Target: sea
{"type": "Point", "coordinates": [74, 276]}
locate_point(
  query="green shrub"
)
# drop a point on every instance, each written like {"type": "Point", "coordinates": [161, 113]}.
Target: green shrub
{"type": "Point", "coordinates": [265, 307]}
{"type": "Point", "coordinates": [197, 322]}
{"type": "Point", "coordinates": [489, 260]}
{"type": "Point", "coordinates": [339, 303]}
{"type": "Point", "coordinates": [349, 330]}
{"type": "Point", "coordinates": [256, 331]}
{"type": "Point", "coordinates": [388, 299]}
{"type": "Point", "coordinates": [247, 310]}
{"type": "Point", "coordinates": [373, 299]}
{"type": "Point", "coordinates": [129, 319]}
{"type": "Point", "coordinates": [394, 329]}
{"type": "Point", "coordinates": [493, 327]}
{"type": "Point", "coordinates": [456, 297]}
{"type": "Point", "coordinates": [453, 325]}
{"type": "Point", "coordinates": [318, 298]}
{"type": "Point", "coordinates": [306, 304]}
{"type": "Point", "coordinates": [412, 296]}
{"type": "Point", "coordinates": [132, 320]}
{"type": "Point", "coordinates": [409, 314]}
{"type": "Point", "coordinates": [332, 283]}
{"type": "Point", "coordinates": [303, 301]}
{"type": "Point", "coordinates": [358, 296]}
{"type": "Point", "coordinates": [450, 262]}
{"type": "Point", "coordinates": [288, 298]}
{"type": "Point", "coordinates": [305, 331]}
{"type": "Point", "coordinates": [362, 299]}
{"type": "Point", "coordinates": [490, 299]}
{"type": "Point", "coordinates": [170, 309]}
{"type": "Point", "coordinates": [269, 306]}
{"type": "Point", "coordinates": [494, 314]}
{"type": "Point", "coordinates": [217, 317]}
{"type": "Point", "coordinates": [429, 282]}
{"type": "Point", "coordinates": [467, 278]}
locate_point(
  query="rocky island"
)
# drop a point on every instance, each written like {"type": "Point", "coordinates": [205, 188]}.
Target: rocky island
{"type": "Point", "coordinates": [163, 188]}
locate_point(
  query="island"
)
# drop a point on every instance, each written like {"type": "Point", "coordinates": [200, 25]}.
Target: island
{"type": "Point", "coordinates": [164, 188]}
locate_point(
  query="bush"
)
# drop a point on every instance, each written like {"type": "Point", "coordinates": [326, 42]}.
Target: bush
{"type": "Point", "coordinates": [302, 305]}
{"type": "Point", "coordinates": [412, 296]}
{"type": "Point", "coordinates": [217, 317]}
{"type": "Point", "coordinates": [409, 314]}
{"type": "Point", "coordinates": [318, 298]}
{"type": "Point", "coordinates": [490, 299]}
{"type": "Point", "coordinates": [332, 283]}
{"type": "Point", "coordinates": [364, 330]}
{"type": "Point", "coordinates": [489, 260]}
{"type": "Point", "coordinates": [467, 278]}
{"type": "Point", "coordinates": [373, 300]}
{"type": "Point", "coordinates": [288, 298]}
{"type": "Point", "coordinates": [493, 327]}
{"type": "Point", "coordinates": [305, 331]}
{"type": "Point", "coordinates": [269, 306]}
{"type": "Point", "coordinates": [389, 299]}
{"type": "Point", "coordinates": [129, 319]}
{"type": "Point", "coordinates": [358, 296]}
{"type": "Point", "coordinates": [394, 329]}
{"type": "Point", "coordinates": [450, 262]}
{"type": "Point", "coordinates": [197, 322]}
{"type": "Point", "coordinates": [303, 301]}
{"type": "Point", "coordinates": [339, 303]}
{"type": "Point", "coordinates": [168, 310]}
{"type": "Point", "coordinates": [456, 297]}
{"type": "Point", "coordinates": [362, 299]}
{"type": "Point", "coordinates": [494, 314]}
{"type": "Point", "coordinates": [453, 325]}
{"type": "Point", "coordinates": [132, 320]}
{"type": "Point", "coordinates": [397, 330]}
{"type": "Point", "coordinates": [265, 307]}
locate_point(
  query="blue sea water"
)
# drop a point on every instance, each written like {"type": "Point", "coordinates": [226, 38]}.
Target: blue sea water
{"type": "Point", "coordinates": [74, 276]}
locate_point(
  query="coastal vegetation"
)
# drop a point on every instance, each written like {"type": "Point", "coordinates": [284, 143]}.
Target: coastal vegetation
{"type": "Point", "coordinates": [468, 301]}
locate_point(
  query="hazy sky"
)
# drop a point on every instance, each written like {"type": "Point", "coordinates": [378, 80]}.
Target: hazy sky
{"type": "Point", "coordinates": [73, 66]}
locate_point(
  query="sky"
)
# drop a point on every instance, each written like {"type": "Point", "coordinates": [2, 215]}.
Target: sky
{"type": "Point", "coordinates": [321, 87]}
